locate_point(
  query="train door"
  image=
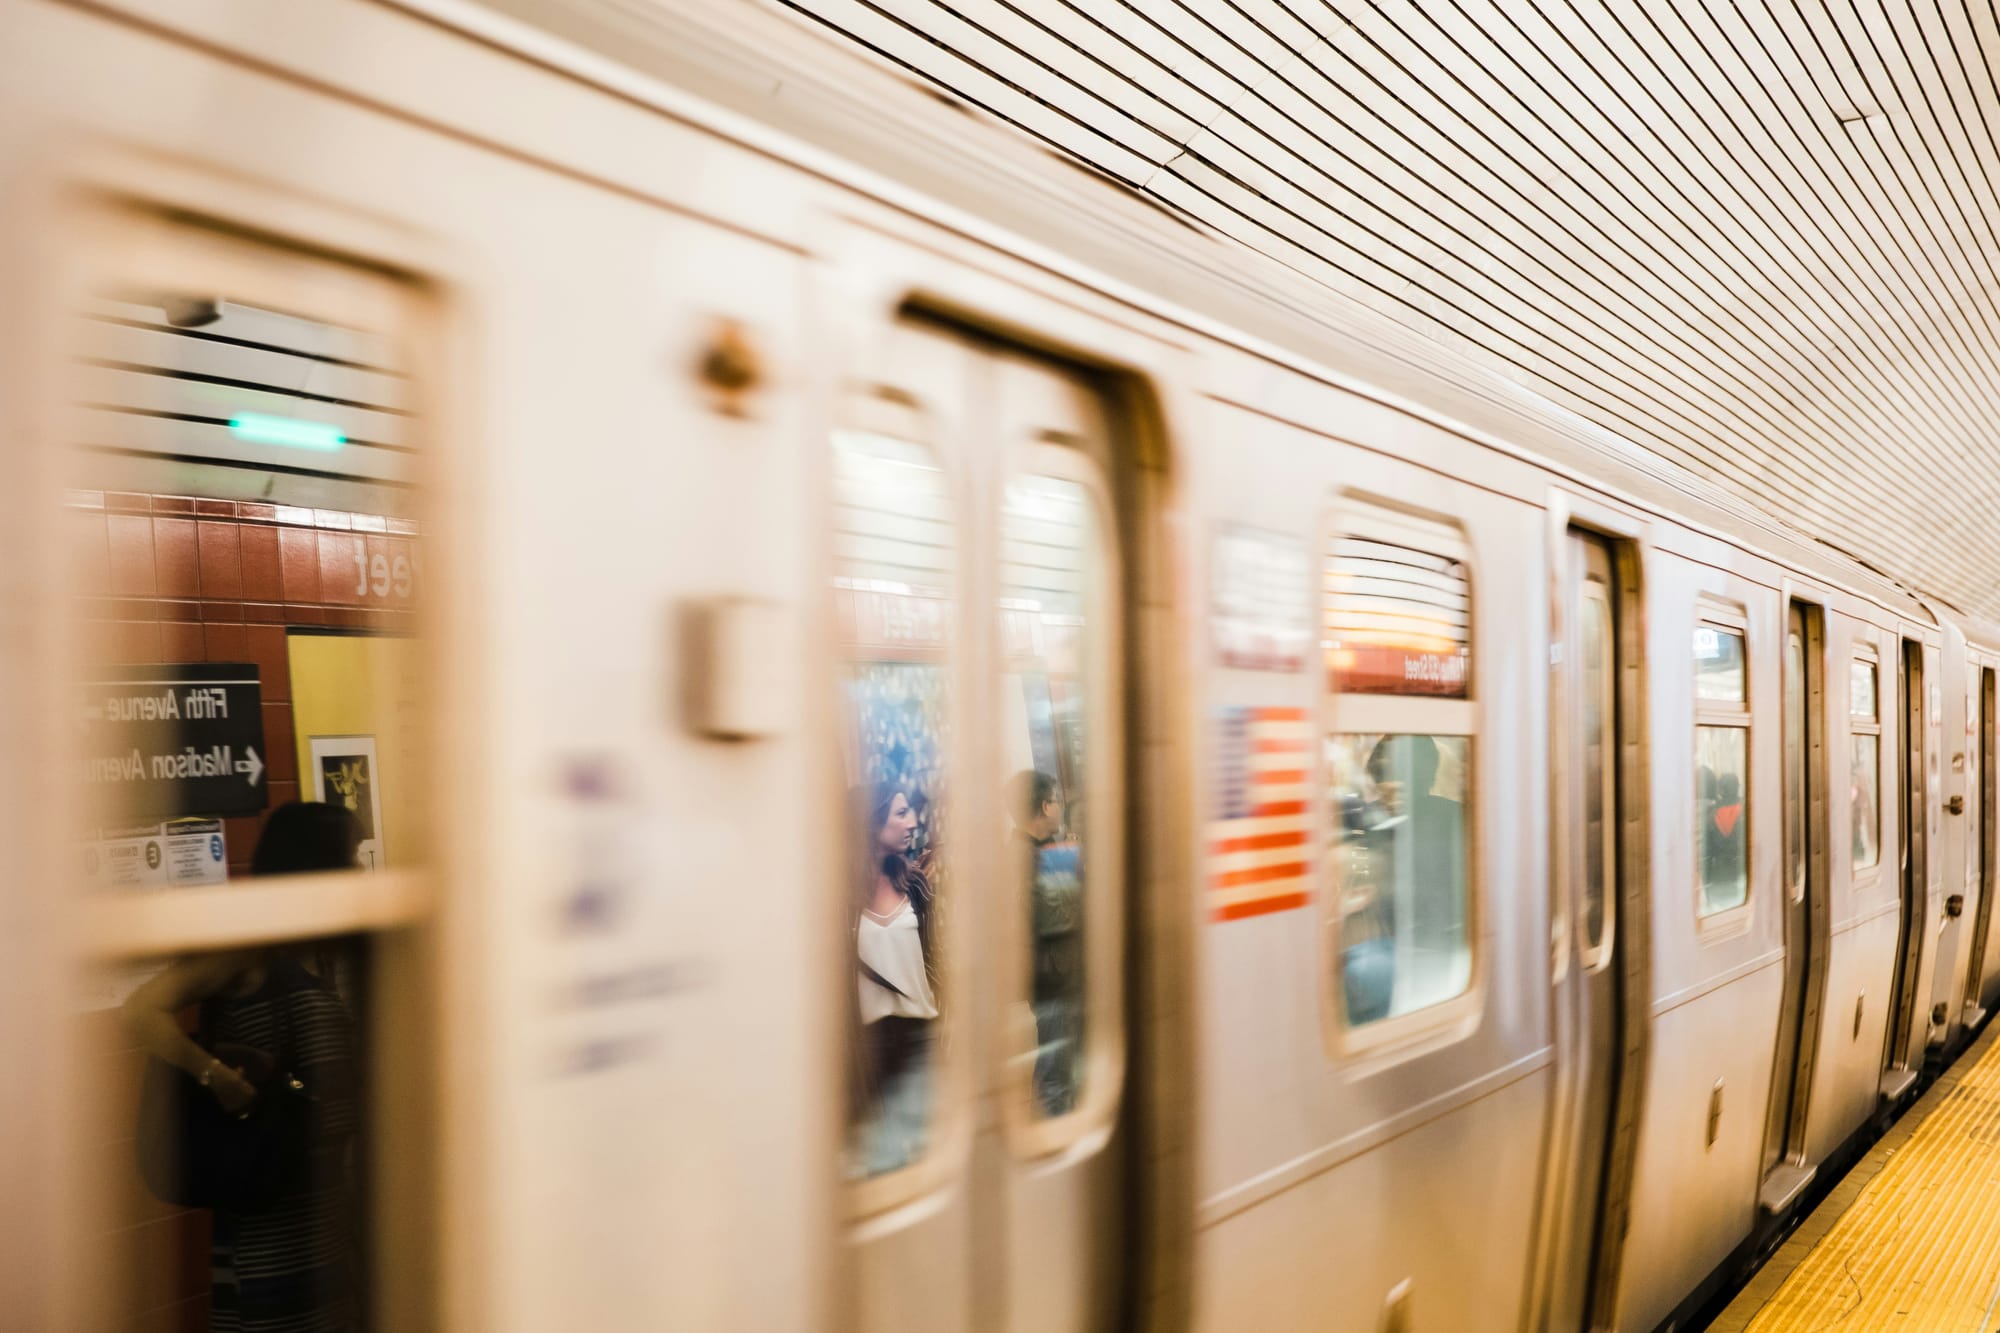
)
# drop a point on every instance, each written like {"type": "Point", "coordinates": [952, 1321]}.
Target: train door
{"type": "Point", "coordinates": [1601, 798]}
{"type": "Point", "coordinates": [1952, 859]}
{"type": "Point", "coordinates": [1980, 838]}
{"type": "Point", "coordinates": [1805, 910]}
{"type": "Point", "coordinates": [977, 593]}
{"type": "Point", "coordinates": [1897, 1072]}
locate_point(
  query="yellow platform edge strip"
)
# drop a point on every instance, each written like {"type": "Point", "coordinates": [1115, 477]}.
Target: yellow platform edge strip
{"type": "Point", "coordinates": [1917, 1248]}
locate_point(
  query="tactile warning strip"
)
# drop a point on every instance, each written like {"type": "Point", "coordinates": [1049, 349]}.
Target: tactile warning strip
{"type": "Point", "coordinates": [1910, 1239]}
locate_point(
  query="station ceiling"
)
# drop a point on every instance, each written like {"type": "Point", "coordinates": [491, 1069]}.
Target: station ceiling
{"type": "Point", "coordinates": [1759, 239]}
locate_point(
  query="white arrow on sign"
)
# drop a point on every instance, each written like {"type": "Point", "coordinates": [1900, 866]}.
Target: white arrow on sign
{"type": "Point", "coordinates": [253, 765]}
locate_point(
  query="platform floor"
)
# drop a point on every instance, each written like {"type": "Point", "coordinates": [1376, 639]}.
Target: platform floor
{"type": "Point", "coordinates": [1910, 1239]}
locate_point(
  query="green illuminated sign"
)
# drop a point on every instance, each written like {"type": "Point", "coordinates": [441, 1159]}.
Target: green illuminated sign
{"type": "Point", "coordinates": [287, 431]}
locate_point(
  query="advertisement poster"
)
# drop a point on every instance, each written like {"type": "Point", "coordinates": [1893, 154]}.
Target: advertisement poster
{"type": "Point", "coordinates": [357, 698]}
{"type": "Point", "coordinates": [345, 772]}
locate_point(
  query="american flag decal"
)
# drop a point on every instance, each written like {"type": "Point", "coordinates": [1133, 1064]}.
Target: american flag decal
{"type": "Point", "coordinates": [1257, 837]}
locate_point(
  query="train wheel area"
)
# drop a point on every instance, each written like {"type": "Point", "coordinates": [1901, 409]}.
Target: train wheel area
{"type": "Point", "coordinates": [1906, 1238]}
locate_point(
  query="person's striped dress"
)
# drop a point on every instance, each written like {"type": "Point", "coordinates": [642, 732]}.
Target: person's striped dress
{"type": "Point", "coordinates": [290, 1267]}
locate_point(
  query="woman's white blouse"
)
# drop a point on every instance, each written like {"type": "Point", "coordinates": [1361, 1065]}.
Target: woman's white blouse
{"type": "Point", "coordinates": [894, 948]}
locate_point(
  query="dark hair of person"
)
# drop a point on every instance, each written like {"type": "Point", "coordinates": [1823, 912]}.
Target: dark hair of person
{"type": "Point", "coordinates": [1420, 751]}
{"type": "Point", "coordinates": [1030, 790]}
{"type": "Point", "coordinates": [301, 837]}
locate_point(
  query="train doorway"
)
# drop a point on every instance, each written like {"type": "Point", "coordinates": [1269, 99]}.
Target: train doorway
{"type": "Point", "coordinates": [1899, 1073]}
{"type": "Point", "coordinates": [1785, 1173]}
{"type": "Point", "coordinates": [979, 613]}
{"type": "Point", "coordinates": [1602, 981]}
{"type": "Point", "coordinates": [1981, 846]}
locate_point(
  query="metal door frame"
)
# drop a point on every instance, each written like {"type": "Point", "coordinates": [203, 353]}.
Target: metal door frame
{"type": "Point", "coordinates": [1817, 900]}
{"type": "Point", "coordinates": [1986, 700]}
{"type": "Point", "coordinates": [1625, 537]}
{"type": "Point", "coordinates": [1912, 805]}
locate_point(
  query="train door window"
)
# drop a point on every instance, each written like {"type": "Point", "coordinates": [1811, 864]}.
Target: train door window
{"type": "Point", "coordinates": [1722, 764]}
{"type": "Point", "coordinates": [1864, 747]}
{"type": "Point", "coordinates": [1974, 808]}
{"type": "Point", "coordinates": [1795, 756]}
{"type": "Point", "coordinates": [895, 560]}
{"type": "Point", "coordinates": [1056, 649]}
{"type": "Point", "coordinates": [1989, 830]}
{"type": "Point", "coordinates": [244, 470]}
{"type": "Point", "coordinates": [1398, 756]}
{"type": "Point", "coordinates": [1599, 695]}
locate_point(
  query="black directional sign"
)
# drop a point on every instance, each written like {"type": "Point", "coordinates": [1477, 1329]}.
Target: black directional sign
{"type": "Point", "coordinates": [165, 741]}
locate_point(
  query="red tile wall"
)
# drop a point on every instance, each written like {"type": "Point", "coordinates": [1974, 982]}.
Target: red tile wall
{"type": "Point", "coordinates": [174, 578]}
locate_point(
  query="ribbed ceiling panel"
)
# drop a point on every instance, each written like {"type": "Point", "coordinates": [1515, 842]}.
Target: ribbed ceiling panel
{"type": "Point", "coordinates": [1757, 238]}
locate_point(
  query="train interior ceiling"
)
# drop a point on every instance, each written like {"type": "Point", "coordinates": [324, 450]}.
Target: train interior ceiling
{"type": "Point", "coordinates": [831, 666]}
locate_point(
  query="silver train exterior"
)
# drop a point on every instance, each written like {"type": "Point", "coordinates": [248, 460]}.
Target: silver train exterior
{"type": "Point", "coordinates": [653, 263]}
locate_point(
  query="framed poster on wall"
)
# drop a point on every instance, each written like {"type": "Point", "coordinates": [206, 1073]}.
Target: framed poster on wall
{"type": "Point", "coordinates": [345, 772]}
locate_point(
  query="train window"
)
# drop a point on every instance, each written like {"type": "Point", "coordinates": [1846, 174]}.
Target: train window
{"type": "Point", "coordinates": [1864, 765]}
{"type": "Point", "coordinates": [248, 772]}
{"type": "Point", "coordinates": [1398, 618]}
{"type": "Point", "coordinates": [1051, 631]}
{"type": "Point", "coordinates": [1975, 840]}
{"type": "Point", "coordinates": [1861, 691]}
{"type": "Point", "coordinates": [894, 562]}
{"type": "Point", "coordinates": [1398, 623]}
{"type": "Point", "coordinates": [1718, 662]}
{"type": "Point", "coordinates": [1402, 871]}
{"type": "Point", "coordinates": [1722, 768]}
{"type": "Point", "coordinates": [1795, 758]}
{"type": "Point", "coordinates": [1600, 780]}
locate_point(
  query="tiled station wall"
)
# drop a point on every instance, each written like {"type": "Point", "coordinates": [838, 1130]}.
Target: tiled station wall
{"type": "Point", "coordinates": [168, 578]}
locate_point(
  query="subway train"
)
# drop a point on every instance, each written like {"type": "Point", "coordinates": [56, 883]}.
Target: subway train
{"type": "Point", "coordinates": [930, 746]}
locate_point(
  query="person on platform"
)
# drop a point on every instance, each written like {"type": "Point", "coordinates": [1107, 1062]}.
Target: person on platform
{"type": "Point", "coordinates": [1050, 872]}
{"type": "Point", "coordinates": [267, 1013]}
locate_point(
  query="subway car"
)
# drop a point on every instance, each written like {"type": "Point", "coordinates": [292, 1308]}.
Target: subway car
{"type": "Point", "coordinates": [916, 743]}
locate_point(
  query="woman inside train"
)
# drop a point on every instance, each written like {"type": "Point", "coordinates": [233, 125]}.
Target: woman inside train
{"type": "Point", "coordinates": [896, 953]}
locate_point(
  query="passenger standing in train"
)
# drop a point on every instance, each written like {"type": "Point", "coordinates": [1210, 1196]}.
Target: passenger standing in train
{"type": "Point", "coordinates": [897, 961]}
{"type": "Point", "coordinates": [1723, 835]}
{"type": "Point", "coordinates": [1410, 863]}
{"type": "Point", "coordinates": [1861, 820]}
{"type": "Point", "coordinates": [1405, 770]}
{"type": "Point", "coordinates": [1052, 875]}
{"type": "Point", "coordinates": [265, 1014]}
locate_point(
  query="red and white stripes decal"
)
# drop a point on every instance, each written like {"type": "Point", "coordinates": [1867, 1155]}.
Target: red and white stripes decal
{"type": "Point", "coordinates": [1257, 837]}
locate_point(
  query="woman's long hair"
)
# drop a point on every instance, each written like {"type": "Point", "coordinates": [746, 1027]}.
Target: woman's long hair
{"type": "Point", "coordinates": [870, 805]}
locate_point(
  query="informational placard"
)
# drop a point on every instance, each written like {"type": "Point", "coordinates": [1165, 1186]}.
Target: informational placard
{"type": "Point", "coordinates": [175, 854]}
{"type": "Point", "coordinates": [1260, 599]}
{"type": "Point", "coordinates": [183, 739]}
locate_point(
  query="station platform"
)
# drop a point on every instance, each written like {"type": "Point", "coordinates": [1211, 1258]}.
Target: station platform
{"type": "Point", "coordinates": [1910, 1238]}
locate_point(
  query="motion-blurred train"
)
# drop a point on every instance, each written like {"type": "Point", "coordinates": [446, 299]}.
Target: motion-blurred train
{"type": "Point", "coordinates": [936, 748]}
